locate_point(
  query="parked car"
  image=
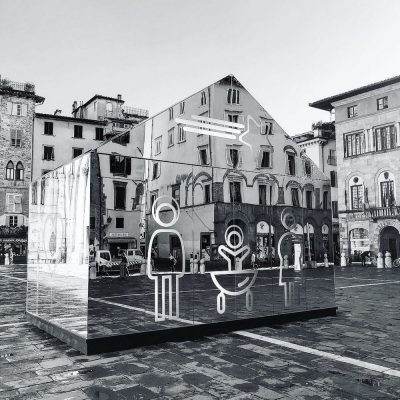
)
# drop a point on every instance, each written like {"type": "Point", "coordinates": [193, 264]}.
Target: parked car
{"type": "Point", "coordinates": [135, 256]}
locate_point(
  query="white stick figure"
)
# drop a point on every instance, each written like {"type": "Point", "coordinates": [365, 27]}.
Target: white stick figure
{"type": "Point", "coordinates": [244, 286]}
{"type": "Point", "coordinates": [166, 277]}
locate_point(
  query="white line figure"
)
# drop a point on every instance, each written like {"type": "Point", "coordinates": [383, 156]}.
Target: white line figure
{"type": "Point", "coordinates": [218, 127]}
{"type": "Point", "coordinates": [166, 277]}
{"type": "Point", "coordinates": [234, 249]}
{"type": "Point", "coordinates": [288, 287]}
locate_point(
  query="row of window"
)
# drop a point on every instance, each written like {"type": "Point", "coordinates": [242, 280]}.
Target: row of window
{"type": "Point", "coordinates": [384, 138]}
{"type": "Point", "coordinates": [48, 152]}
{"type": "Point", "coordinates": [381, 104]}
{"type": "Point", "coordinates": [386, 190]}
{"type": "Point", "coordinates": [232, 97]}
{"type": "Point", "coordinates": [78, 131]}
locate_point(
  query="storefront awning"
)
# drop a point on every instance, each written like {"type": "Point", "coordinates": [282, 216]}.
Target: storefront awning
{"type": "Point", "coordinates": [125, 239]}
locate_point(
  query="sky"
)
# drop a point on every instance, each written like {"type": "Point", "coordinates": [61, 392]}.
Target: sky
{"type": "Point", "coordinates": [286, 53]}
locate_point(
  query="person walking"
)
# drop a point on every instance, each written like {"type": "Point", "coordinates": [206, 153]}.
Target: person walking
{"type": "Point", "coordinates": [253, 260]}
{"type": "Point", "coordinates": [6, 258]}
{"type": "Point", "coordinates": [11, 256]}
{"type": "Point", "coordinates": [123, 266]}
{"type": "Point", "coordinates": [172, 260]}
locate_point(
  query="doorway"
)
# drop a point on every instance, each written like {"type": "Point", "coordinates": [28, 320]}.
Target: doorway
{"type": "Point", "coordinates": [390, 241]}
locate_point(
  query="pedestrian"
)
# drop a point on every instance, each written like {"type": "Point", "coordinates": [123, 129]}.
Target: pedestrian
{"type": "Point", "coordinates": [6, 258]}
{"type": "Point", "coordinates": [363, 256]}
{"type": "Point", "coordinates": [172, 260]}
{"type": "Point", "coordinates": [11, 256]}
{"type": "Point", "coordinates": [123, 266]}
{"type": "Point", "coordinates": [253, 260]}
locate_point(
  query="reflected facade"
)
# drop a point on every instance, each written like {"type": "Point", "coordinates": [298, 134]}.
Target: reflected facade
{"type": "Point", "coordinates": [203, 214]}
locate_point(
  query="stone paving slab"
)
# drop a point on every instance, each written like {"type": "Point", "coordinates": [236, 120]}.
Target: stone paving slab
{"type": "Point", "coordinates": [34, 365]}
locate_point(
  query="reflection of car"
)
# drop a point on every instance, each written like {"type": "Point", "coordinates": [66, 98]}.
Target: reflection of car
{"type": "Point", "coordinates": [101, 259]}
{"type": "Point", "coordinates": [135, 256]}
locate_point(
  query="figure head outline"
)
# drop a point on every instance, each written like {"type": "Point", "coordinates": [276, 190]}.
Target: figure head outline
{"type": "Point", "coordinates": [234, 230]}
{"type": "Point", "coordinates": [173, 206]}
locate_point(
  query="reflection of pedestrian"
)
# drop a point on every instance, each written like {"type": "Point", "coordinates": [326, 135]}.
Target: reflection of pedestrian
{"type": "Point", "coordinates": [253, 260]}
{"type": "Point", "coordinates": [172, 260]}
{"type": "Point", "coordinates": [123, 271]}
{"type": "Point", "coordinates": [11, 256]}
{"type": "Point", "coordinates": [6, 259]}
{"type": "Point", "coordinates": [363, 257]}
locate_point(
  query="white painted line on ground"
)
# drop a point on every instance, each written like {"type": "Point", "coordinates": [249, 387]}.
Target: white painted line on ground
{"type": "Point", "coordinates": [319, 353]}
{"type": "Point", "coordinates": [368, 284]}
{"type": "Point", "coordinates": [13, 324]}
{"type": "Point", "coordinates": [13, 277]}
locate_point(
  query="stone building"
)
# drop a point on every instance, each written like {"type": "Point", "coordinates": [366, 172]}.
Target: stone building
{"type": "Point", "coordinates": [59, 138]}
{"type": "Point", "coordinates": [367, 121]}
{"type": "Point", "coordinates": [320, 146]}
{"type": "Point", "coordinates": [17, 111]}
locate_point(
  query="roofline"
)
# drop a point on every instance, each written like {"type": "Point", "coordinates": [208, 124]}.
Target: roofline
{"type": "Point", "coordinates": [172, 105]}
{"type": "Point", "coordinates": [326, 103]}
{"type": "Point", "coordinates": [70, 119]}
{"type": "Point", "coordinates": [99, 96]}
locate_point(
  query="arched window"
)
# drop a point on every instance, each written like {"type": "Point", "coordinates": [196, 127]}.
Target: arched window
{"type": "Point", "coordinates": [386, 189]}
{"type": "Point", "coordinates": [356, 190]}
{"type": "Point", "coordinates": [10, 171]}
{"type": "Point", "coordinates": [19, 172]}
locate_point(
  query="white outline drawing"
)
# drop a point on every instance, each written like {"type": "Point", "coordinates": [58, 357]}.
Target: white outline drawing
{"type": "Point", "coordinates": [246, 284]}
{"type": "Point", "coordinates": [166, 277]}
{"type": "Point", "coordinates": [289, 291]}
{"type": "Point", "coordinates": [218, 127]}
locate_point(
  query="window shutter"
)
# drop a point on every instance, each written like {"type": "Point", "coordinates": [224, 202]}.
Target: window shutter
{"type": "Point", "coordinates": [112, 162]}
{"type": "Point", "coordinates": [128, 165]}
{"type": "Point", "coordinates": [240, 158]}
{"type": "Point", "coordinates": [9, 107]}
{"type": "Point", "coordinates": [14, 108]}
{"type": "Point", "coordinates": [24, 110]}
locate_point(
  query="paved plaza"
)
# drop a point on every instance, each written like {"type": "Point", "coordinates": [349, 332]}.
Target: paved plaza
{"type": "Point", "coordinates": [354, 355]}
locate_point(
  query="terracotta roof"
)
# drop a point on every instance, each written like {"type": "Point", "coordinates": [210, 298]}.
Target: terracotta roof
{"type": "Point", "coordinates": [326, 104]}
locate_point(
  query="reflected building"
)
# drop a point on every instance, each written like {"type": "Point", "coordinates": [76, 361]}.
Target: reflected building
{"type": "Point", "coordinates": [367, 124]}
{"type": "Point", "coordinates": [320, 146]}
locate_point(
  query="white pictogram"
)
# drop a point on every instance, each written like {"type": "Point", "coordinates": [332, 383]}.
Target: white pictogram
{"type": "Point", "coordinates": [166, 277]}
{"type": "Point", "coordinates": [288, 287]}
{"type": "Point", "coordinates": [234, 249]}
{"type": "Point", "coordinates": [218, 127]}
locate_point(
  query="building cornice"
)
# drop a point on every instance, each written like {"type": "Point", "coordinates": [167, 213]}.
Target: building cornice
{"type": "Point", "coordinates": [70, 119]}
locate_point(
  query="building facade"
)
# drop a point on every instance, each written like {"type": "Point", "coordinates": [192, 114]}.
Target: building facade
{"type": "Point", "coordinates": [320, 146]}
{"type": "Point", "coordinates": [17, 111]}
{"type": "Point", "coordinates": [58, 138]}
{"type": "Point", "coordinates": [215, 179]}
{"type": "Point", "coordinates": [367, 122]}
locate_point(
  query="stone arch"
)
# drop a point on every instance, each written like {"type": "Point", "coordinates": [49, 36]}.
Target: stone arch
{"type": "Point", "coordinates": [232, 173]}
{"type": "Point", "coordinates": [266, 176]}
{"type": "Point", "coordinates": [293, 183]}
{"type": "Point", "coordinates": [290, 148]}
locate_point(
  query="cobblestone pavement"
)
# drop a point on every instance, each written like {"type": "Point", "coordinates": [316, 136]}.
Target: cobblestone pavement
{"type": "Point", "coordinates": [335, 357]}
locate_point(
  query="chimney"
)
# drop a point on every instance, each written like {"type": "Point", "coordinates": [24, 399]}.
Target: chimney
{"type": "Point", "coordinates": [57, 112]}
{"type": "Point", "coordinates": [74, 105]}
{"type": "Point", "coordinates": [119, 97]}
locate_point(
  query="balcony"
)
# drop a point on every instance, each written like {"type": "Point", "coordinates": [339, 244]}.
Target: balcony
{"type": "Point", "coordinates": [20, 86]}
{"type": "Point", "coordinates": [332, 160]}
{"type": "Point", "coordinates": [139, 112]}
{"type": "Point", "coordinates": [384, 212]}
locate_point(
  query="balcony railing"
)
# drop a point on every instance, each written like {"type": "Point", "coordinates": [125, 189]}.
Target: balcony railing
{"type": "Point", "coordinates": [135, 111]}
{"type": "Point", "coordinates": [384, 212]}
{"type": "Point", "coordinates": [332, 160]}
{"type": "Point", "coordinates": [21, 86]}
